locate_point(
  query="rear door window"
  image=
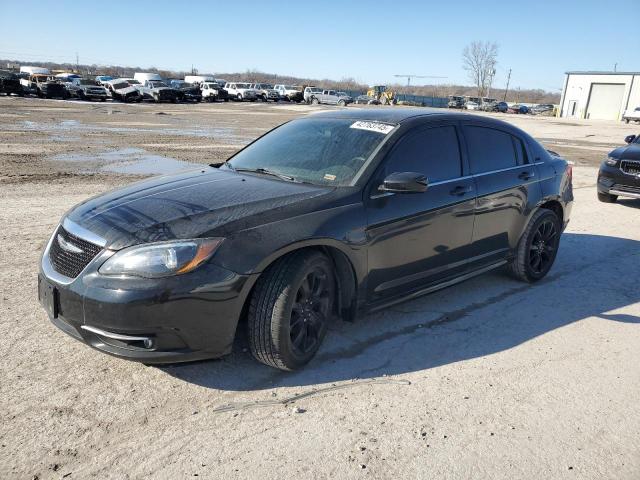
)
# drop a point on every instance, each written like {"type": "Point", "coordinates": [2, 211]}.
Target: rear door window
{"type": "Point", "coordinates": [434, 152]}
{"type": "Point", "coordinates": [489, 149]}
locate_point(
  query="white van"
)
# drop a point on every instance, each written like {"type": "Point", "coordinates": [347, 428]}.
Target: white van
{"type": "Point", "coordinates": [34, 70]}
{"type": "Point", "coordinates": [198, 79]}
{"type": "Point", "coordinates": [143, 76]}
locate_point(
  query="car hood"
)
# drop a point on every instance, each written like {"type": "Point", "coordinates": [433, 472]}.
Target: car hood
{"type": "Point", "coordinates": [205, 202]}
{"type": "Point", "coordinates": [629, 152]}
{"type": "Point", "coordinates": [125, 90]}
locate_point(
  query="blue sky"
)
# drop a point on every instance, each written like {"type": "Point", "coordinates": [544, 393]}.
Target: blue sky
{"type": "Point", "coordinates": [367, 40]}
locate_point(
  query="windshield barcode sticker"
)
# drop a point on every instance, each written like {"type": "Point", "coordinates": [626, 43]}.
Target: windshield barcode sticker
{"type": "Point", "coordinates": [373, 126]}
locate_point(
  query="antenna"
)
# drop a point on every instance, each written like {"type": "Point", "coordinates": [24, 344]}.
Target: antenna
{"type": "Point", "coordinates": [409, 77]}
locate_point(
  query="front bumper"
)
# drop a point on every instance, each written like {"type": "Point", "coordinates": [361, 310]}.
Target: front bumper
{"type": "Point", "coordinates": [614, 181]}
{"type": "Point", "coordinates": [173, 319]}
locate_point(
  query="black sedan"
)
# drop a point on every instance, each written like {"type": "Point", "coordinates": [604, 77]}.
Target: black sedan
{"type": "Point", "coordinates": [619, 174]}
{"type": "Point", "coordinates": [324, 217]}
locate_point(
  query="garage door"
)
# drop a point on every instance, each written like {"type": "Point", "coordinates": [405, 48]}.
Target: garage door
{"type": "Point", "coordinates": [605, 101]}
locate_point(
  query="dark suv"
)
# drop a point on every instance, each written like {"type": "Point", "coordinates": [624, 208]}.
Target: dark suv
{"type": "Point", "coordinates": [619, 174]}
{"type": "Point", "coordinates": [328, 216]}
{"type": "Point", "coordinates": [10, 83]}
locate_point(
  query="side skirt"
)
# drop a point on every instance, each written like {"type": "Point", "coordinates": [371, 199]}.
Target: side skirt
{"type": "Point", "coordinates": [436, 287]}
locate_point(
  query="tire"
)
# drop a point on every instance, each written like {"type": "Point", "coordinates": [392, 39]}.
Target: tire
{"type": "Point", "coordinates": [626, 120]}
{"type": "Point", "coordinates": [239, 97]}
{"type": "Point", "coordinates": [607, 197]}
{"type": "Point", "coordinates": [287, 325]}
{"type": "Point", "coordinates": [341, 103]}
{"type": "Point", "coordinates": [539, 243]}
{"type": "Point", "coordinates": [315, 101]}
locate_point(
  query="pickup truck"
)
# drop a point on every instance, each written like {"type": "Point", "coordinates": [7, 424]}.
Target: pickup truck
{"type": "Point", "coordinates": [331, 97]}
{"type": "Point", "coordinates": [241, 91]}
{"type": "Point", "coordinates": [266, 92]}
{"type": "Point", "coordinates": [187, 92]}
{"type": "Point", "coordinates": [291, 93]}
{"type": "Point", "coordinates": [212, 91]}
{"type": "Point", "coordinates": [632, 115]}
{"type": "Point", "coordinates": [158, 91]}
{"type": "Point", "coordinates": [86, 89]}
{"type": "Point", "coordinates": [45, 86]}
{"type": "Point", "coordinates": [121, 89]}
{"type": "Point", "coordinates": [309, 92]}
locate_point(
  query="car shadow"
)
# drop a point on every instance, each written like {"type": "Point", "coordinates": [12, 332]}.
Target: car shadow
{"type": "Point", "coordinates": [629, 202]}
{"type": "Point", "coordinates": [593, 277]}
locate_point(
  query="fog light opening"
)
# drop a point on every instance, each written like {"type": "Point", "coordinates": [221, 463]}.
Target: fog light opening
{"type": "Point", "coordinates": [148, 343]}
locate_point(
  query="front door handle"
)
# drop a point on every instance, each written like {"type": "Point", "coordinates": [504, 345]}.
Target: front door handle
{"type": "Point", "coordinates": [461, 190]}
{"type": "Point", "coordinates": [526, 175]}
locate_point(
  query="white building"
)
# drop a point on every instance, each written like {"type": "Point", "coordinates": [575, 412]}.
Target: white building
{"type": "Point", "coordinates": [599, 95]}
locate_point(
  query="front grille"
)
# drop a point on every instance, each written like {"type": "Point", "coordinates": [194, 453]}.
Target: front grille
{"type": "Point", "coordinates": [630, 166]}
{"type": "Point", "coordinates": [69, 263]}
{"type": "Point", "coordinates": [626, 188]}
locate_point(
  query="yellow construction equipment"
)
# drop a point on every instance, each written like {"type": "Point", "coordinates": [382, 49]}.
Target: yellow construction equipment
{"type": "Point", "coordinates": [382, 95]}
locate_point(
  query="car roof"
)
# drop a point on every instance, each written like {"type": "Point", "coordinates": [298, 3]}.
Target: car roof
{"type": "Point", "coordinates": [396, 115]}
{"type": "Point", "coordinates": [383, 114]}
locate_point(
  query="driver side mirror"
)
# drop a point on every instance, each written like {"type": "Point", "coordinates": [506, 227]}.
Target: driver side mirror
{"type": "Point", "coordinates": [629, 138]}
{"type": "Point", "coordinates": [404, 182]}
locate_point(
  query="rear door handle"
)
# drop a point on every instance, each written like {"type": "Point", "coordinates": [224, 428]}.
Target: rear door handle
{"type": "Point", "coordinates": [461, 190]}
{"type": "Point", "coordinates": [526, 175]}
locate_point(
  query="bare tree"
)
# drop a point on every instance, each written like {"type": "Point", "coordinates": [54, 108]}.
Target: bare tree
{"type": "Point", "coordinates": [480, 60]}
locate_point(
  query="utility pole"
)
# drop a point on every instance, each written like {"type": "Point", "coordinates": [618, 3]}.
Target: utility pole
{"type": "Point", "coordinates": [615, 67]}
{"type": "Point", "coordinates": [506, 90]}
{"type": "Point", "coordinates": [77, 63]}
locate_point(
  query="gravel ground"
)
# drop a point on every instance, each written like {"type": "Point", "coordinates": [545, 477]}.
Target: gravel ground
{"type": "Point", "coordinates": [488, 379]}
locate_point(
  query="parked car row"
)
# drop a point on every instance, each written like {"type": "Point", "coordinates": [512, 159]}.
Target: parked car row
{"type": "Point", "coordinates": [152, 87]}
{"type": "Point", "coordinates": [493, 105]}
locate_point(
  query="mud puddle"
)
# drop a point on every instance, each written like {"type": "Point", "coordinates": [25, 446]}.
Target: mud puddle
{"type": "Point", "coordinates": [66, 127]}
{"type": "Point", "coordinates": [130, 161]}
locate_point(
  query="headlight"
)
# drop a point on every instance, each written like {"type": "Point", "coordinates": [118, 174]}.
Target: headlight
{"type": "Point", "coordinates": [612, 162]}
{"type": "Point", "coordinates": [162, 259]}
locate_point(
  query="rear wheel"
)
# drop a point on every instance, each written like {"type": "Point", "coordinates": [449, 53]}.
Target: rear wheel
{"type": "Point", "coordinates": [607, 197]}
{"type": "Point", "coordinates": [538, 247]}
{"type": "Point", "coordinates": [315, 101]}
{"type": "Point", "coordinates": [290, 310]}
{"type": "Point", "coordinates": [341, 103]}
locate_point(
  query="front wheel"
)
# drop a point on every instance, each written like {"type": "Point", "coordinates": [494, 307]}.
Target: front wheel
{"type": "Point", "coordinates": [538, 247]}
{"type": "Point", "coordinates": [290, 310]}
{"type": "Point", "coordinates": [341, 103]}
{"type": "Point", "coordinates": [607, 197]}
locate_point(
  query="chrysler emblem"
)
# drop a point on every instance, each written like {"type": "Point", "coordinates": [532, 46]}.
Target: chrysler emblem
{"type": "Point", "coordinates": [68, 247]}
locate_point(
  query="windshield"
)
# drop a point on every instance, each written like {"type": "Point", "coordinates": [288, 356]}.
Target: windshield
{"type": "Point", "coordinates": [157, 84]}
{"type": "Point", "coordinates": [131, 81]}
{"type": "Point", "coordinates": [119, 86]}
{"type": "Point", "coordinates": [322, 151]}
{"type": "Point", "coordinates": [264, 86]}
{"type": "Point", "coordinates": [86, 82]}
{"type": "Point", "coordinates": [243, 85]}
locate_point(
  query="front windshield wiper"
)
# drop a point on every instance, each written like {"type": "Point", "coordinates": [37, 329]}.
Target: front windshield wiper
{"type": "Point", "coordinates": [263, 171]}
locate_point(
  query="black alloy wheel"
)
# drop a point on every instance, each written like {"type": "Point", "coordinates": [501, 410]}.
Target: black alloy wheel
{"type": "Point", "coordinates": [543, 247]}
{"type": "Point", "coordinates": [538, 246]}
{"type": "Point", "coordinates": [290, 310]}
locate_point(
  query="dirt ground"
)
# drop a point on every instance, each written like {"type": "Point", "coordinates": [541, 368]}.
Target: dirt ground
{"type": "Point", "coordinates": [489, 379]}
